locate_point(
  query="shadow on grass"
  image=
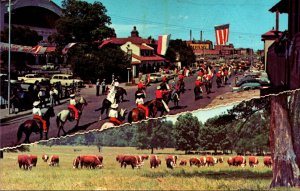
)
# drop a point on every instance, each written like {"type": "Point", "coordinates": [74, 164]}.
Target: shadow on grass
{"type": "Point", "coordinates": [224, 174]}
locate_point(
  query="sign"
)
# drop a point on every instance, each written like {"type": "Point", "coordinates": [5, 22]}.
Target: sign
{"type": "Point", "coordinates": [199, 46]}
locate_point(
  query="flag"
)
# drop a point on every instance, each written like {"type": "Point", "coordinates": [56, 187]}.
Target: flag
{"type": "Point", "coordinates": [36, 49]}
{"type": "Point", "coordinates": [66, 49]}
{"type": "Point", "coordinates": [222, 33]}
{"type": "Point", "coordinates": [162, 44]}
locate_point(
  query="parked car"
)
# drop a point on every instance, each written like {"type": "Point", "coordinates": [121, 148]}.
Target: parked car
{"type": "Point", "coordinates": [252, 79]}
{"type": "Point", "coordinates": [155, 77]}
{"type": "Point", "coordinates": [170, 75]}
{"type": "Point", "coordinates": [247, 86]}
{"type": "Point", "coordinates": [32, 78]}
{"type": "Point", "coordinates": [50, 66]}
{"type": "Point", "coordinates": [66, 80]}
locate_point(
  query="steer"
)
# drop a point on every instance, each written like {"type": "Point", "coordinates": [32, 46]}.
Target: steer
{"type": "Point", "coordinates": [202, 161]}
{"type": "Point", "coordinates": [195, 161]}
{"type": "Point", "coordinates": [171, 161]}
{"type": "Point", "coordinates": [145, 157]}
{"type": "Point", "coordinates": [25, 162]}
{"type": "Point", "coordinates": [210, 160]}
{"type": "Point", "coordinates": [230, 161]}
{"type": "Point", "coordinates": [45, 157]}
{"type": "Point", "coordinates": [154, 161]}
{"type": "Point", "coordinates": [268, 161]}
{"type": "Point", "coordinates": [54, 161]}
{"type": "Point", "coordinates": [120, 158]}
{"type": "Point", "coordinates": [239, 161]}
{"type": "Point", "coordinates": [253, 161]}
{"type": "Point", "coordinates": [33, 159]}
{"type": "Point", "coordinates": [183, 162]}
{"type": "Point", "coordinates": [76, 162]}
{"type": "Point", "coordinates": [220, 159]}
{"type": "Point", "coordinates": [130, 160]}
{"type": "Point", "coordinates": [90, 161]}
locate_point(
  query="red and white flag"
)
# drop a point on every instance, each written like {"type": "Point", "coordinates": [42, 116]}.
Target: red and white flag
{"type": "Point", "coordinates": [66, 49]}
{"type": "Point", "coordinates": [105, 42]}
{"type": "Point", "coordinates": [36, 49]}
{"type": "Point", "coordinates": [163, 43]}
{"type": "Point", "coordinates": [222, 34]}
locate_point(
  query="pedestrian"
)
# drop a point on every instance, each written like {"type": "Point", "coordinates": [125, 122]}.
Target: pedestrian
{"type": "Point", "coordinates": [55, 96]}
{"type": "Point", "coordinates": [97, 87]}
{"type": "Point", "coordinates": [42, 96]}
{"type": "Point", "coordinates": [103, 85]}
{"type": "Point", "coordinates": [51, 96]}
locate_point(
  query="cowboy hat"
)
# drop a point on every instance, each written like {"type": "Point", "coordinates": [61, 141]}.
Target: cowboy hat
{"type": "Point", "coordinates": [114, 106]}
{"type": "Point", "coordinates": [198, 78]}
{"type": "Point", "coordinates": [158, 87]}
{"type": "Point", "coordinates": [36, 103]}
{"type": "Point", "coordinates": [72, 95]}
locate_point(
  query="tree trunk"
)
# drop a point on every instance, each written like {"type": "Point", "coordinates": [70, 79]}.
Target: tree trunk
{"type": "Point", "coordinates": [152, 150]}
{"type": "Point", "coordinates": [285, 169]}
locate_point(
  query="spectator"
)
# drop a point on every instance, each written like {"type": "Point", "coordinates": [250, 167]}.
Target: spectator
{"type": "Point", "coordinates": [51, 94]}
{"type": "Point", "coordinates": [97, 87]}
{"type": "Point", "coordinates": [103, 87]}
{"type": "Point", "coordinates": [55, 96]}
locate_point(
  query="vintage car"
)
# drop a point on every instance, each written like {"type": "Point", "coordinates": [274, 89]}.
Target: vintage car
{"type": "Point", "coordinates": [32, 78]}
{"type": "Point", "coordinates": [66, 80]}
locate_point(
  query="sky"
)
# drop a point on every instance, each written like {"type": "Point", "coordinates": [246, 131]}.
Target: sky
{"type": "Point", "coordinates": [204, 114]}
{"type": "Point", "coordinates": [248, 19]}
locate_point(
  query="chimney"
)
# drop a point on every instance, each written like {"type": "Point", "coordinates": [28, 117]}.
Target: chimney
{"type": "Point", "coordinates": [277, 21]}
{"type": "Point", "coordinates": [190, 35]}
{"type": "Point", "coordinates": [201, 36]}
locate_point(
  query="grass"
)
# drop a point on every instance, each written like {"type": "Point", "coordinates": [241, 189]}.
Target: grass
{"type": "Point", "coordinates": [112, 177]}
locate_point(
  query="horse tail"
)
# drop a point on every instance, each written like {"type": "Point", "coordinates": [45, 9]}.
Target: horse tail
{"type": "Point", "coordinates": [20, 131]}
{"type": "Point", "coordinates": [130, 117]}
{"type": "Point", "coordinates": [57, 120]}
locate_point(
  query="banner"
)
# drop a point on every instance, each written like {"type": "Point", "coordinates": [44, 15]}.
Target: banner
{"type": "Point", "coordinates": [222, 34]}
{"type": "Point", "coordinates": [66, 49]}
{"type": "Point", "coordinates": [20, 48]}
{"type": "Point", "coordinates": [163, 43]}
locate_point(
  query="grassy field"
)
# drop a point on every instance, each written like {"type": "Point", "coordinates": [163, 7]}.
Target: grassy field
{"type": "Point", "coordinates": [112, 177]}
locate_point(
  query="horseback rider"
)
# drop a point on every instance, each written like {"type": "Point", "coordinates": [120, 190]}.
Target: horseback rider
{"type": "Point", "coordinates": [113, 114]}
{"type": "Point", "coordinates": [219, 78]}
{"type": "Point", "coordinates": [140, 103]}
{"type": "Point", "coordinates": [159, 97]}
{"type": "Point", "coordinates": [164, 85]}
{"type": "Point", "coordinates": [112, 92]}
{"type": "Point", "coordinates": [73, 102]}
{"type": "Point", "coordinates": [174, 90]}
{"type": "Point", "coordinates": [141, 88]}
{"type": "Point", "coordinates": [37, 115]}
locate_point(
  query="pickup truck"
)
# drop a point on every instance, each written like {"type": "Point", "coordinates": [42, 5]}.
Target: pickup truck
{"type": "Point", "coordinates": [32, 78]}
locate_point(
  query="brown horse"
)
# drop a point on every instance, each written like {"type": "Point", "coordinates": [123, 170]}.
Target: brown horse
{"type": "Point", "coordinates": [33, 125]}
{"type": "Point", "coordinates": [137, 114]}
{"type": "Point", "coordinates": [155, 106]}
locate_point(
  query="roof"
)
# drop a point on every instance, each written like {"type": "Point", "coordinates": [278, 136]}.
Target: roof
{"type": "Point", "coordinates": [144, 47]}
{"type": "Point", "coordinates": [281, 6]}
{"type": "Point", "coordinates": [148, 58]}
{"type": "Point", "coordinates": [271, 35]}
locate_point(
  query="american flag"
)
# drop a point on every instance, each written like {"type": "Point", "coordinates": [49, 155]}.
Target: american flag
{"type": "Point", "coordinates": [66, 49]}
{"type": "Point", "coordinates": [222, 33]}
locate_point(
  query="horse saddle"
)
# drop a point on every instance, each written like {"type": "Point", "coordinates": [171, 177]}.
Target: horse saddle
{"type": "Point", "coordinates": [142, 113]}
{"type": "Point", "coordinates": [39, 123]}
{"type": "Point", "coordinates": [71, 115]}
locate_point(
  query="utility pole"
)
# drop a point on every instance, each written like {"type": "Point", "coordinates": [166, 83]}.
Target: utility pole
{"type": "Point", "coordinates": [9, 53]}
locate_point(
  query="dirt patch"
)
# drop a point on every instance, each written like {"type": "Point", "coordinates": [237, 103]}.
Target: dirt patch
{"type": "Point", "coordinates": [231, 97]}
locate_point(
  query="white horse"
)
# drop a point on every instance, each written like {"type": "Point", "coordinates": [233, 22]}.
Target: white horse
{"type": "Point", "coordinates": [108, 124]}
{"type": "Point", "coordinates": [65, 115]}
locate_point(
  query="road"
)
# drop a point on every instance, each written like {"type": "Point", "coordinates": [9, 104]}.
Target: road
{"type": "Point", "coordinates": [89, 118]}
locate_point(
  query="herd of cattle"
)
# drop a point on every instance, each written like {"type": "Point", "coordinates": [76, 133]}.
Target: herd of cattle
{"type": "Point", "coordinates": [137, 161]}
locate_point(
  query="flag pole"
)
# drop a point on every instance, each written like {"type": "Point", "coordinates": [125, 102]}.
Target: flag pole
{"type": "Point", "coordinates": [9, 53]}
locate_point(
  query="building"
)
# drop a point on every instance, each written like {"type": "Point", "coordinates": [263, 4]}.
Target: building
{"type": "Point", "coordinates": [144, 60]}
{"type": "Point", "coordinates": [283, 56]}
{"type": "Point", "coordinates": [38, 15]}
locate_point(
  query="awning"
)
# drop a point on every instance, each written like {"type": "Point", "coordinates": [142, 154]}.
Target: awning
{"type": "Point", "coordinates": [26, 49]}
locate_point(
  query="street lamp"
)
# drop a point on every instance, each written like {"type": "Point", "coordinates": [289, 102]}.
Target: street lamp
{"type": "Point", "coordinates": [9, 49]}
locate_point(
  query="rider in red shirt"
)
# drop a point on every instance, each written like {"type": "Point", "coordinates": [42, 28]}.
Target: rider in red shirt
{"type": "Point", "coordinates": [159, 97]}
{"type": "Point", "coordinates": [141, 85]}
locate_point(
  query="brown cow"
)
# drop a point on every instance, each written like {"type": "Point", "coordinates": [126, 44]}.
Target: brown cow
{"type": "Point", "coordinates": [45, 157]}
{"type": "Point", "coordinates": [253, 161]}
{"type": "Point", "coordinates": [101, 159]}
{"type": "Point", "coordinates": [195, 161]}
{"type": "Point", "coordinates": [33, 159]}
{"type": "Point", "coordinates": [268, 161]}
{"type": "Point", "coordinates": [119, 158]}
{"type": "Point", "coordinates": [202, 161]}
{"type": "Point", "coordinates": [140, 160]}
{"type": "Point", "coordinates": [25, 162]}
{"type": "Point", "coordinates": [210, 160]}
{"type": "Point", "coordinates": [220, 160]}
{"type": "Point", "coordinates": [183, 162]}
{"type": "Point", "coordinates": [90, 161]}
{"type": "Point", "coordinates": [171, 161]}
{"type": "Point", "coordinates": [130, 160]}
{"type": "Point", "coordinates": [154, 161]}
{"type": "Point", "coordinates": [76, 162]}
{"type": "Point", "coordinates": [54, 161]}
{"type": "Point", "coordinates": [145, 157]}
{"type": "Point", "coordinates": [230, 161]}
{"type": "Point", "coordinates": [239, 161]}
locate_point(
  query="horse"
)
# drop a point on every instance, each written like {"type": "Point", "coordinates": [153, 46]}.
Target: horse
{"type": "Point", "coordinates": [107, 125]}
{"type": "Point", "coordinates": [120, 94]}
{"type": "Point", "coordinates": [198, 92]}
{"type": "Point", "coordinates": [137, 114]}
{"type": "Point", "coordinates": [33, 125]}
{"type": "Point", "coordinates": [181, 85]}
{"type": "Point", "coordinates": [65, 115]}
{"type": "Point", "coordinates": [175, 98]}
{"type": "Point", "coordinates": [155, 106]}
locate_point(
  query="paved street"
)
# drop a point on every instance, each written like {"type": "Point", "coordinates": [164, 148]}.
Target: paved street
{"type": "Point", "coordinates": [89, 118]}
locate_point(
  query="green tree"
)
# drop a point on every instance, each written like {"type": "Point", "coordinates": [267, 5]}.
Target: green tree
{"type": "Point", "coordinates": [187, 56]}
{"type": "Point", "coordinates": [154, 134]}
{"type": "Point", "coordinates": [186, 132]}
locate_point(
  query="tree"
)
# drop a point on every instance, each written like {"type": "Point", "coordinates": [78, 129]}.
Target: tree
{"type": "Point", "coordinates": [186, 132]}
{"type": "Point", "coordinates": [187, 56]}
{"type": "Point", "coordinates": [154, 134]}
{"type": "Point", "coordinates": [285, 139]}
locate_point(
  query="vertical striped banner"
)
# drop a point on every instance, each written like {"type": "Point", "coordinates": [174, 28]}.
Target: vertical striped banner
{"type": "Point", "coordinates": [222, 34]}
{"type": "Point", "coordinates": [163, 43]}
